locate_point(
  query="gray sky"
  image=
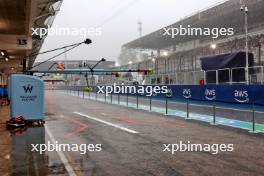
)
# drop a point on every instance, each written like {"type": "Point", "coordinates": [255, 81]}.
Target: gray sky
{"type": "Point", "coordinates": [118, 20]}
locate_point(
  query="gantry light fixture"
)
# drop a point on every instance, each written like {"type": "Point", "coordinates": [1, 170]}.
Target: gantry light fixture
{"type": "Point", "coordinates": [66, 49]}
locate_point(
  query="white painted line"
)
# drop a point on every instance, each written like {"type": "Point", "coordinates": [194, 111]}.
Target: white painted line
{"type": "Point", "coordinates": [107, 123]}
{"type": "Point", "coordinates": [63, 158]}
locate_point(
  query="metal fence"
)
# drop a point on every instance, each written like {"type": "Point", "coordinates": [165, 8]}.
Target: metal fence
{"type": "Point", "coordinates": [221, 76]}
{"type": "Point", "coordinates": [211, 112]}
{"type": "Point", "coordinates": [176, 78]}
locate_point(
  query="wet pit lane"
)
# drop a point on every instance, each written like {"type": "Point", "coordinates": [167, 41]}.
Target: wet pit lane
{"type": "Point", "coordinates": [73, 120]}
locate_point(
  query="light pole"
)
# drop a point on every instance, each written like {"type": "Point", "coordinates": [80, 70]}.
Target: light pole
{"type": "Point", "coordinates": [165, 55]}
{"type": "Point", "coordinates": [244, 9]}
{"type": "Point", "coordinates": [92, 70]}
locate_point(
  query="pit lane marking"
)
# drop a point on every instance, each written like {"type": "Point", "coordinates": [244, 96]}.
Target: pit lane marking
{"type": "Point", "coordinates": [63, 158]}
{"type": "Point", "coordinates": [107, 123]}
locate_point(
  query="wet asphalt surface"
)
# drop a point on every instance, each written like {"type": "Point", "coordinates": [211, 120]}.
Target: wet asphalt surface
{"type": "Point", "coordinates": [135, 154]}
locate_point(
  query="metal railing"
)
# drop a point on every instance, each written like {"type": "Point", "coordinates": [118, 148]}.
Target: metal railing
{"type": "Point", "coordinates": [210, 112]}
{"type": "Point", "coordinates": [220, 76]}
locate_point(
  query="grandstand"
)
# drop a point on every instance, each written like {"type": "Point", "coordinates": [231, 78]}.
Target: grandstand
{"type": "Point", "coordinates": [177, 60]}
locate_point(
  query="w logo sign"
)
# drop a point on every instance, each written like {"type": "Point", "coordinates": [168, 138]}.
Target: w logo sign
{"type": "Point", "coordinates": [28, 88]}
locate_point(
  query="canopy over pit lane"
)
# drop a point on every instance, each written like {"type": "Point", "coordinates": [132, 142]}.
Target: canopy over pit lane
{"type": "Point", "coordinates": [17, 19]}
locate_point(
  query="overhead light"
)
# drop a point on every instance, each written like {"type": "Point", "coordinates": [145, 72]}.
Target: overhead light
{"type": "Point", "coordinates": [242, 8]}
{"type": "Point", "coordinates": [213, 46]}
{"type": "Point", "coordinates": [165, 53]}
{"type": "Point", "coordinates": [130, 62]}
{"type": "Point", "coordinates": [246, 9]}
{"type": "Point", "coordinates": [153, 60]}
{"type": "Point", "coordinates": [117, 64]}
{"type": "Point", "coordinates": [87, 41]}
{"type": "Point", "coordinates": [6, 59]}
{"type": "Point", "coordinates": [2, 52]}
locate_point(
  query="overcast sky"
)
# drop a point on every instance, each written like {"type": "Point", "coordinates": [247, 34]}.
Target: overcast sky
{"type": "Point", "coordinates": [118, 20]}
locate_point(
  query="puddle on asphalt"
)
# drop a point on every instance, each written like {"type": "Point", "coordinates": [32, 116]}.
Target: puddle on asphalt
{"type": "Point", "coordinates": [28, 162]}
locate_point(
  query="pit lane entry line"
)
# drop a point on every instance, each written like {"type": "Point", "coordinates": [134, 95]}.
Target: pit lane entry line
{"type": "Point", "coordinates": [107, 123]}
{"type": "Point", "coordinates": [63, 158]}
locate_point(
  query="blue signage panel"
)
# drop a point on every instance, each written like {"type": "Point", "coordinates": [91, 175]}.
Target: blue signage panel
{"type": "Point", "coordinates": [237, 93]}
{"type": "Point", "coordinates": [246, 94]}
{"type": "Point", "coordinates": [27, 97]}
{"type": "Point", "coordinates": [241, 94]}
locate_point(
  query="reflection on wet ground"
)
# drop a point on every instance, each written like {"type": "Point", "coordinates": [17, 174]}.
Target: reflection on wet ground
{"type": "Point", "coordinates": [17, 157]}
{"type": "Point", "coordinates": [24, 161]}
{"type": "Point", "coordinates": [5, 142]}
{"type": "Point", "coordinates": [28, 162]}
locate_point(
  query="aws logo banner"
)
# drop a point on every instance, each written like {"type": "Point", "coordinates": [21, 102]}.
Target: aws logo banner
{"type": "Point", "coordinates": [187, 93]}
{"type": "Point", "coordinates": [241, 96]}
{"type": "Point", "coordinates": [219, 93]}
{"type": "Point", "coordinates": [210, 94]}
{"type": "Point", "coordinates": [169, 93]}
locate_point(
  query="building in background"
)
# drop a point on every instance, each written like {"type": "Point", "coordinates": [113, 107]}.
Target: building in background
{"type": "Point", "coordinates": [177, 60]}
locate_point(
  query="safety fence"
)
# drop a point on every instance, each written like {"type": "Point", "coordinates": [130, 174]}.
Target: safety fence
{"type": "Point", "coordinates": [217, 111]}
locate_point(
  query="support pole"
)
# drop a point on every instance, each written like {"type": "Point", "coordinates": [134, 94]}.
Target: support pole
{"type": "Point", "coordinates": [137, 101]}
{"type": "Point", "coordinates": [253, 118]}
{"type": "Point", "coordinates": [127, 100]}
{"type": "Point", "coordinates": [214, 113]}
{"type": "Point", "coordinates": [166, 105]}
{"type": "Point", "coordinates": [188, 109]}
{"type": "Point", "coordinates": [150, 104]}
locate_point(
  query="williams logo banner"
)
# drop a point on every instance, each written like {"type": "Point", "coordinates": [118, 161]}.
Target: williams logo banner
{"type": "Point", "coordinates": [28, 88]}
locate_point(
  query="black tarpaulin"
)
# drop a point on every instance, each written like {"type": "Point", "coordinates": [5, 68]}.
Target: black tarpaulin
{"type": "Point", "coordinates": [225, 62]}
{"type": "Point", "coordinates": [229, 60]}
